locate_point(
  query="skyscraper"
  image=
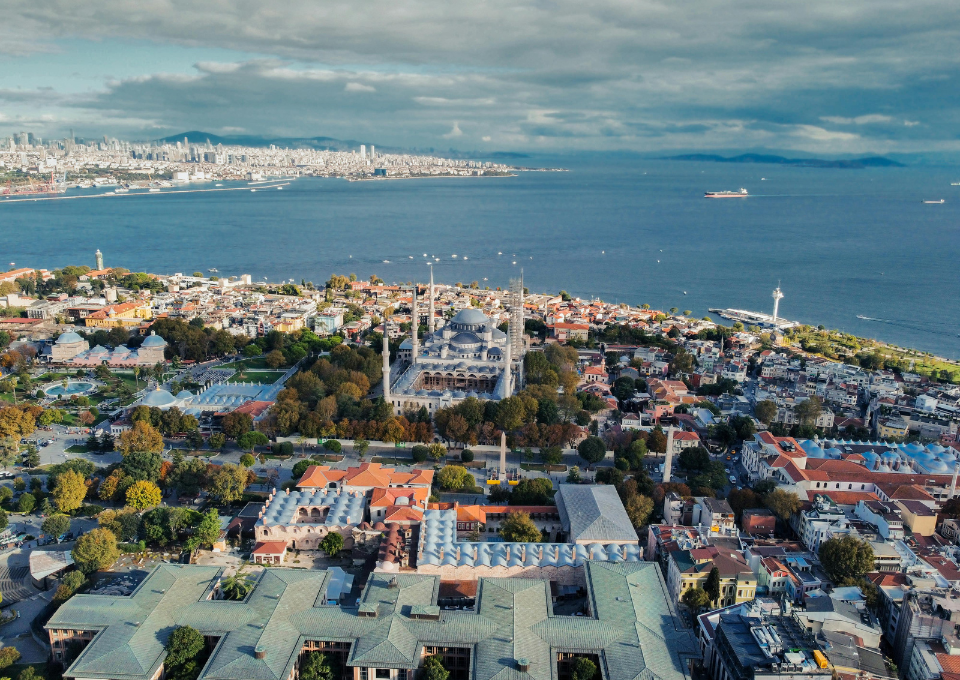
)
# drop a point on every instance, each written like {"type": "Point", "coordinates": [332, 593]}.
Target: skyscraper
{"type": "Point", "coordinates": [363, 151]}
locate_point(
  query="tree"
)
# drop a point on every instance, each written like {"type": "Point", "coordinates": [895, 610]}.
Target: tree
{"type": "Point", "coordinates": [56, 525]}
{"type": "Point", "coordinates": [583, 668]}
{"type": "Point", "coordinates": [743, 499]}
{"type": "Point", "coordinates": [360, 446]}
{"type": "Point", "coordinates": [236, 424]}
{"type": "Point", "coordinates": [183, 646]}
{"type": "Point", "coordinates": [639, 508]}
{"type": "Point", "coordinates": [27, 503]}
{"type": "Point", "coordinates": [8, 656]}
{"type": "Point", "coordinates": [142, 437]}
{"type": "Point", "coordinates": [142, 465]}
{"type": "Point", "coordinates": [246, 460]}
{"type": "Point", "coordinates": [69, 490]}
{"type": "Point", "coordinates": [217, 440]}
{"type": "Point", "coordinates": [433, 669]}
{"type": "Point", "coordinates": [95, 550]}
{"type": "Point", "coordinates": [454, 478]}
{"type": "Point", "coordinates": [420, 453]}
{"type": "Point", "coordinates": [437, 450]}
{"type": "Point", "coordinates": [143, 494]}
{"type": "Point", "coordinates": [332, 544]}
{"type": "Point", "coordinates": [237, 587]}
{"type": "Point", "coordinates": [251, 440]}
{"type": "Point", "coordinates": [695, 598]}
{"type": "Point", "coordinates": [573, 475]}
{"type": "Point", "coordinates": [592, 450]}
{"type": "Point", "coordinates": [694, 459]}
{"type": "Point", "coordinates": [519, 528]}
{"type": "Point", "coordinates": [809, 410]}
{"type": "Point", "coordinates": [320, 666]}
{"type": "Point", "coordinates": [766, 411]}
{"type": "Point", "coordinates": [712, 586]}
{"type": "Point", "coordinates": [207, 531]}
{"type": "Point", "coordinates": [782, 503]}
{"type": "Point", "coordinates": [228, 483]}
{"type": "Point", "coordinates": [275, 359]}
{"type": "Point", "coordinates": [846, 557]}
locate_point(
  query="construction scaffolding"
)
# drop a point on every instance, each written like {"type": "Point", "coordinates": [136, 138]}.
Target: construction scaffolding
{"type": "Point", "coordinates": [517, 345]}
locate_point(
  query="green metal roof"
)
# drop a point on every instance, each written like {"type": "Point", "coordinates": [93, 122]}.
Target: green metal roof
{"type": "Point", "coordinates": [634, 630]}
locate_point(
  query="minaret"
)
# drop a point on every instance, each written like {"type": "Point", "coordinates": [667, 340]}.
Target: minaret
{"type": "Point", "coordinates": [386, 364]}
{"type": "Point", "coordinates": [777, 296]}
{"type": "Point", "coordinates": [503, 456]}
{"type": "Point", "coordinates": [415, 327]}
{"type": "Point", "coordinates": [507, 365]}
{"type": "Point", "coordinates": [953, 484]}
{"type": "Point", "coordinates": [430, 318]}
{"type": "Point", "coordinates": [99, 256]}
{"type": "Point", "coordinates": [668, 463]}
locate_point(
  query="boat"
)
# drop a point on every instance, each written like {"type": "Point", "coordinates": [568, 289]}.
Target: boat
{"type": "Point", "coordinates": [955, 184]}
{"type": "Point", "coordinates": [253, 190]}
{"type": "Point", "coordinates": [153, 190]}
{"type": "Point", "coordinates": [218, 185]}
{"type": "Point", "coordinates": [936, 202]}
{"type": "Point", "coordinates": [121, 190]}
{"type": "Point", "coordinates": [726, 194]}
{"type": "Point", "coordinates": [212, 269]}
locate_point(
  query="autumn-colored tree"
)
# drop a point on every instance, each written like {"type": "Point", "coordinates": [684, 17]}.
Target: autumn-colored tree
{"type": "Point", "coordinates": [69, 491]}
{"type": "Point", "coordinates": [109, 486]}
{"type": "Point", "coordinates": [143, 494]}
{"type": "Point", "coordinates": [142, 437]}
{"type": "Point", "coordinates": [95, 550]}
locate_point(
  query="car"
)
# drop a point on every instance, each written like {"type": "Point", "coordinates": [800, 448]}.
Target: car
{"type": "Point", "coordinates": [733, 480]}
{"type": "Point", "coordinates": [729, 457]}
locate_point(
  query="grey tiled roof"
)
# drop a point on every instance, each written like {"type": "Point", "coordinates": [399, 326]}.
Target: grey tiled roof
{"type": "Point", "coordinates": [594, 513]}
{"type": "Point", "coordinates": [633, 629]}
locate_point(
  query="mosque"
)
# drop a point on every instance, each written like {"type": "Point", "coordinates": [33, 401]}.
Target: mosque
{"type": "Point", "coordinates": [467, 357]}
{"type": "Point", "coordinates": [70, 348]}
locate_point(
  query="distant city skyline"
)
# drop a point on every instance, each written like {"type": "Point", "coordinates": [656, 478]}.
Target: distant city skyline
{"type": "Point", "coordinates": [820, 78]}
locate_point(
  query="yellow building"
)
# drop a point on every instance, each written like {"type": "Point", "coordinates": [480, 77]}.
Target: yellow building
{"type": "Point", "coordinates": [892, 428]}
{"type": "Point", "coordinates": [918, 517]}
{"type": "Point", "coordinates": [691, 568]}
{"type": "Point", "coordinates": [123, 315]}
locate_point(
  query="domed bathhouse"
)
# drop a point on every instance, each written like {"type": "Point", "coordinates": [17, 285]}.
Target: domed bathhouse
{"type": "Point", "coordinates": [67, 347]}
{"type": "Point", "coordinates": [467, 357]}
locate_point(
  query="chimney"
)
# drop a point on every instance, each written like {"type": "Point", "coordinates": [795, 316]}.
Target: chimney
{"type": "Point", "coordinates": [259, 652]}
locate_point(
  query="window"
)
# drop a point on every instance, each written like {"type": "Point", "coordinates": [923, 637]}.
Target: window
{"type": "Point", "coordinates": [363, 673]}
{"type": "Point", "coordinates": [383, 674]}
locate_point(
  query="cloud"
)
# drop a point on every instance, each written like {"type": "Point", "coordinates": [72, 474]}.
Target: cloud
{"type": "Point", "coordinates": [859, 120]}
{"type": "Point", "coordinates": [642, 75]}
{"type": "Point", "coordinates": [455, 132]}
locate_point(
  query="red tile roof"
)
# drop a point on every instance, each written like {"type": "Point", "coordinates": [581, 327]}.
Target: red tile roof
{"type": "Point", "coordinates": [270, 548]}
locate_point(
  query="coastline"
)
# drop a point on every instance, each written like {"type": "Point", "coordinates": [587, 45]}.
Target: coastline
{"type": "Point", "coordinates": [380, 179]}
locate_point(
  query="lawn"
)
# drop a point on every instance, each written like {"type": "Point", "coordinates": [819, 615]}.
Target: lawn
{"type": "Point", "coordinates": [393, 461]}
{"type": "Point", "coordinates": [78, 448]}
{"type": "Point", "coordinates": [263, 377]}
{"type": "Point", "coordinates": [248, 364]}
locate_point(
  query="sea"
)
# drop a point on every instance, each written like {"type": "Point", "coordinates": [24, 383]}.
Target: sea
{"type": "Point", "coordinates": [853, 250]}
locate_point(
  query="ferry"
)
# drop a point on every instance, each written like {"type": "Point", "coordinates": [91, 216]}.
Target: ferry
{"type": "Point", "coordinates": [955, 184]}
{"type": "Point", "coordinates": [726, 194]}
{"type": "Point", "coordinates": [935, 202]}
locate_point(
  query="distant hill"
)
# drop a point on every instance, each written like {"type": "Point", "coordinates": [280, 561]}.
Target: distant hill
{"type": "Point", "coordinates": [869, 162]}
{"type": "Point", "coordinates": [320, 143]}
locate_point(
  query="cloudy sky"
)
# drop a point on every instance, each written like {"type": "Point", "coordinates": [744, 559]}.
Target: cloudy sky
{"type": "Point", "coordinates": [818, 76]}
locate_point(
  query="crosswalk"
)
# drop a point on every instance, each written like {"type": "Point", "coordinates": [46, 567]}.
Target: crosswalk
{"type": "Point", "coordinates": [15, 584]}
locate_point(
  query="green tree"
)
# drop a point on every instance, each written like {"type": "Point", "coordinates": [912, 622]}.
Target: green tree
{"type": "Point", "coordinates": [420, 453]}
{"type": "Point", "coordinates": [251, 440]}
{"type": "Point", "coordinates": [27, 503]}
{"type": "Point", "coordinates": [332, 544]}
{"type": "Point", "coordinates": [519, 528]}
{"type": "Point", "coordinates": [454, 478]}
{"type": "Point", "coordinates": [846, 557]}
{"type": "Point", "coordinates": [592, 450]}
{"type": "Point", "coordinates": [217, 440]}
{"type": "Point", "coordinates": [437, 450]}
{"type": "Point", "coordinates": [246, 460]}
{"type": "Point", "coordinates": [695, 598]}
{"type": "Point", "coordinates": [207, 532]}
{"type": "Point", "coordinates": [228, 483]}
{"type": "Point", "coordinates": [55, 525]}
{"type": "Point", "coordinates": [361, 445]}
{"type": "Point", "coordinates": [320, 666]}
{"type": "Point", "coordinates": [639, 508]}
{"type": "Point", "coordinates": [766, 411]}
{"type": "Point", "coordinates": [583, 668]}
{"type": "Point", "coordinates": [433, 669]}
{"type": "Point", "coordinates": [712, 586]}
{"type": "Point", "coordinates": [142, 465]}
{"type": "Point", "coordinates": [782, 503]}
{"type": "Point", "coordinates": [236, 587]}
{"type": "Point", "coordinates": [809, 410]}
{"type": "Point", "coordinates": [183, 647]}
{"type": "Point", "coordinates": [95, 550]}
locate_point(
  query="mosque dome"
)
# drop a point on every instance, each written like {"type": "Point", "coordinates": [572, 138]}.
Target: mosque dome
{"type": "Point", "coordinates": [465, 340]}
{"type": "Point", "coordinates": [154, 340]}
{"type": "Point", "coordinates": [159, 398]}
{"type": "Point", "coordinates": [69, 339]}
{"type": "Point", "coordinates": [470, 317]}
